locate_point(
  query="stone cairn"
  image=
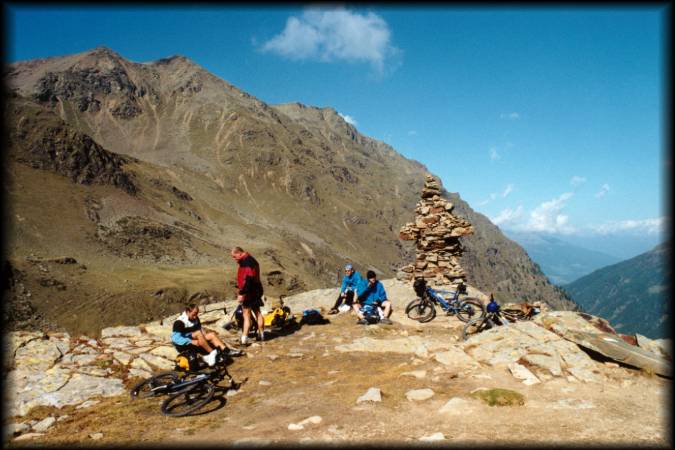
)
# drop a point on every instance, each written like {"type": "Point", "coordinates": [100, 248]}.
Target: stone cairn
{"type": "Point", "coordinates": [436, 233]}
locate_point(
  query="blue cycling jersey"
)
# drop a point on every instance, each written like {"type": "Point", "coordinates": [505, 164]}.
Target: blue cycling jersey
{"type": "Point", "coordinates": [351, 282]}
{"type": "Point", "coordinates": [371, 294]}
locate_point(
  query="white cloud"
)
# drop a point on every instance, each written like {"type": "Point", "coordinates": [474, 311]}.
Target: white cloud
{"type": "Point", "coordinates": [494, 156]}
{"type": "Point", "coordinates": [510, 116]}
{"type": "Point", "coordinates": [603, 190]}
{"type": "Point", "coordinates": [508, 190]}
{"type": "Point", "coordinates": [349, 119]}
{"type": "Point", "coordinates": [493, 196]}
{"type": "Point", "coordinates": [548, 216]}
{"type": "Point", "coordinates": [335, 34]}
{"type": "Point", "coordinates": [508, 216]}
{"type": "Point", "coordinates": [649, 226]}
{"type": "Point", "coordinates": [577, 181]}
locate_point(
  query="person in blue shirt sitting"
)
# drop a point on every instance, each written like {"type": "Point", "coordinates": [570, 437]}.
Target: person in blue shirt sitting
{"type": "Point", "coordinates": [371, 294]}
{"type": "Point", "coordinates": [350, 284]}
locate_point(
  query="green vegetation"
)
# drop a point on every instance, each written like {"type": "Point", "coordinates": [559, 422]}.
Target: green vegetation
{"type": "Point", "coordinates": [500, 397]}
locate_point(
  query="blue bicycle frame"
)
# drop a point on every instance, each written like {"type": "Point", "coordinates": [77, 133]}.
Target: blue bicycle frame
{"type": "Point", "coordinates": [436, 295]}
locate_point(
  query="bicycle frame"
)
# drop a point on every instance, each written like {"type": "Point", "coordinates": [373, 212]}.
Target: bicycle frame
{"type": "Point", "coordinates": [446, 304]}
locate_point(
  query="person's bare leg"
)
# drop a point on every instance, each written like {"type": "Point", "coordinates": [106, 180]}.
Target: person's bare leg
{"type": "Point", "coordinates": [213, 338]}
{"type": "Point", "coordinates": [261, 321]}
{"type": "Point", "coordinates": [246, 312]}
{"type": "Point", "coordinates": [387, 309]}
{"type": "Point", "coordinates": [198, 339]}
{"type": "Point", "coordinates": [357, 310]}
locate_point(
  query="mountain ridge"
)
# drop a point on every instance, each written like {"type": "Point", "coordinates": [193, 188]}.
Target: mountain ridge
{"type": "Point", "coordinates": [632, 294]}
{"type": "Point", "coordinates": [215, 167]}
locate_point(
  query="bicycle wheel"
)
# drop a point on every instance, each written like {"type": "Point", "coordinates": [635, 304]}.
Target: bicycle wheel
{"type": "Point", "coordinates": [470, 308]}
{"type": "Point", "coordinates": [420, 310]}
{"type": "Point", "coordinates": [475, 326]}
{"type": "Point", "coordinates": [154, 386]}
{"type": "Point", "coordinates": [187, 402]}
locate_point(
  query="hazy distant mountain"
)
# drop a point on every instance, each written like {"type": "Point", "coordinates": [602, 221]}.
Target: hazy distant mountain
{"type": "Point", "coordinates": [634, 295]}
{"type": "Point", "coordinates": [620, 245]}
{"type": "Point", "coordinates": [146, 174]}
{"type": "Point", "coordinates": [561, 261]}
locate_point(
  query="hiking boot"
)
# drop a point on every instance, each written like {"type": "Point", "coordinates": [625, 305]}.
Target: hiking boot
{"type": "Point", "coordinates": [260, 336]}
{"type": "Point", "coordinates": [386, 321]}
{"type": "Point", "coordinates": [362, 322]}
{"type": "Point", "coordinates": [333, 311]}
{"type": "Point", "coordinates": [210, 359]}
{"type": "Point", "coordinates": [234, 352]}
{"type": "Point", "coordinates": [244, 340]}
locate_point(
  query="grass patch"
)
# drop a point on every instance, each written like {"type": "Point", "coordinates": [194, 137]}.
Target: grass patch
{"type": "Point", "coordinates": [500, 397]}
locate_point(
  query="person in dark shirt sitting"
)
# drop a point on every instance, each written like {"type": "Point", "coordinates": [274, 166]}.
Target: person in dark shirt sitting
{"type": "Point", "coordinates": [188, 330]}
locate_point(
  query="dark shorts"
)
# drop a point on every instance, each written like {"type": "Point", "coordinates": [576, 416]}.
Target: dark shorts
{"type": "Point", "coordinates": [252, 303]}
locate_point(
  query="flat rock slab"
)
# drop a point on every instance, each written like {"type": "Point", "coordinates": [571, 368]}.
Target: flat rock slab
{"type": "Point", "coordinates": [157, 361]}
{"type": "Point", "coordinates": [38, 354]}
{"type": "Point", "coordinates": [407, 345]}
{"type": "Point", "coordinates": [419, 374]}
{"type": "Point", "coordinates": [58, 387]}
{"type": "Point", "coordinates": [120, 331]}
{"type": "Point", "coordinates": [44, 424]}
{"type": "Point", "coordinates": [455, 357]}
{"type": "Point", "coordinates": [419, 394]}
{"type": "Point", "coordinates": [371, 395]}
{"type": "Point", "coordinates": [455, 406]}
{"type": "Point", "coordinates": [433, 437]}
{"type": "Point", "coordinates": [544, 352]}
{"type": "Point", "coordinates": [522, 373]}
{"type": "Point", "coordinates": [165, 351]}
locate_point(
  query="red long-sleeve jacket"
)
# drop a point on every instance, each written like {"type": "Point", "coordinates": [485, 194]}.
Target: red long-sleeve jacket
{"type": "Point", "coordinates": [248, 278]}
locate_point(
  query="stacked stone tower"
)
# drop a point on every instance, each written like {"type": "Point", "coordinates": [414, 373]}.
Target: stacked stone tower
{"type": "Point", "coordinates": [436, 233]}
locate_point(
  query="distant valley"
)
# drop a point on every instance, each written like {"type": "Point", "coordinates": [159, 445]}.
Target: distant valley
{"type": "Point", "coordinates": [634, 295]}
{"type": "Point", "coordinates": [561, 261]}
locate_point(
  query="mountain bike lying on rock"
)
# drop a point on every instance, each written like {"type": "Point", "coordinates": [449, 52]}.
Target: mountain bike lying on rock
{"type": "Point", "coordinates": [497, 316]}
{"type": "Point", "coordinates": [422, 308]}
{"type": "Point", "coordinates": [189, 387]}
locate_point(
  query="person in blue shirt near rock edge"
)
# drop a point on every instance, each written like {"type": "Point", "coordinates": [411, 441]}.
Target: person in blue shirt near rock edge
{"type": "Point", "coordinates": [371, 293]}
{"type": "Point", "coordinates": [350, 283]}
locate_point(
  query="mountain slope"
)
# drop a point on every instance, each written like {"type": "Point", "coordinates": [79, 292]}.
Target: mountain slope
{"type": "Point", "coordinates": [561, 261]}
{"type": "Point", "coordinates": [212, 167]}
{"type": "Point", "coordinates": [632, 295]}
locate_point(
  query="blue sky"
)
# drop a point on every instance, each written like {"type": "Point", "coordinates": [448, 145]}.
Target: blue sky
{"type": "Point", "coordinates": [547, 120]}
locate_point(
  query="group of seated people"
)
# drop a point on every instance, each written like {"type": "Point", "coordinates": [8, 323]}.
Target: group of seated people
{"type": "Point", "coordinates": [363, 295]}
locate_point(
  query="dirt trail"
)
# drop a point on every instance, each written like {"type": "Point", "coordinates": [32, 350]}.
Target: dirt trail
{"type": "Point", "coordinates": [288, 379]}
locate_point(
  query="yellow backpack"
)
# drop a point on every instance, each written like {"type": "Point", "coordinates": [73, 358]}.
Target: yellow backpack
{"type": "Point", "coordinates": [279, 316]}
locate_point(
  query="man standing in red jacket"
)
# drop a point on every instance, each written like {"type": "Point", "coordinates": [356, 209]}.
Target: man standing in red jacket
{"type": "Point", "coordinates": [250, 292]}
